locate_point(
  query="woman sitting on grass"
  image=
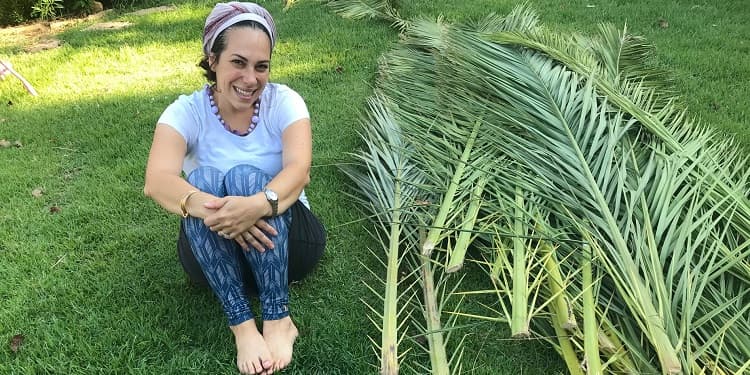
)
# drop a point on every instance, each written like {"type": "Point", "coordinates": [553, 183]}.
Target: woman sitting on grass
{"type": "Point", "coordinates": [245, 146]}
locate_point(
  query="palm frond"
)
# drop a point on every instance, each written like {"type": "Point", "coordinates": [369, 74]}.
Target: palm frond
{"type": "Point", "coordinates": [591, 132]}
{"type": "Point", "coordinates": [359, 9]}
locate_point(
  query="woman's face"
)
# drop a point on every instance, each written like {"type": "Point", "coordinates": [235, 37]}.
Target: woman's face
{"type": "Point", "coordinates": [242, 69]}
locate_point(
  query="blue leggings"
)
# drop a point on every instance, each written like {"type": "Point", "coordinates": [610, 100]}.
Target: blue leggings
{"type": "Point", "coordinates": [221, 259]}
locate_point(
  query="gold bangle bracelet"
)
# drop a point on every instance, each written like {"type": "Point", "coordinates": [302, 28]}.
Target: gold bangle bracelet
{"type": "Point", "coordinates": [183, 202]}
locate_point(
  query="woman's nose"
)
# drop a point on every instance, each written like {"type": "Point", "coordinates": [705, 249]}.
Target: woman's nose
{"type": "Point", "coordinates": [249, 78]}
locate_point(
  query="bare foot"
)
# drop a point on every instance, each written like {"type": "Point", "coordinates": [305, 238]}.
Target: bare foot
{"type": "Point", "coordinates": [253, 356]}
{"type": "Point", "coordinates": [280, 335]}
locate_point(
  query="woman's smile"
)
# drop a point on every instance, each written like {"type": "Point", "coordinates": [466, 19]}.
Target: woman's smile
{"type": "Point", "coordinates": [244, 94]}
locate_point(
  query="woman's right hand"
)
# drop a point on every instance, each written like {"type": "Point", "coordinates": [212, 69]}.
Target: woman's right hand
{"type": "Point", "coordinates": [258, 237]}
{"type": "Point", "coordinates": [196, 205]}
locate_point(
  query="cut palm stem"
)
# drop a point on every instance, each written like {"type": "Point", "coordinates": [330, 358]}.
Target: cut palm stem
{"type": "Point", "coordinates": [590, 326]}
{"type": "Point", "coordinates": [563, 314]}
{"type": "Point", "coordinates": [464, 238]}
{"type": "Point", "coordinates": [436, 232]}
{"type": "Point", "coordinates": [438, 356]}
{"type": "Point", "coordinates": [565, 345]}
{"type": "Point", "coordinates": [519, 324]}
{"type": "Point", "coordinates": [389, 343]}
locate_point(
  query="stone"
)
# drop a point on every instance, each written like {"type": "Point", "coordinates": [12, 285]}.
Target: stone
{"type": "Point", "coordinates": [96, 7]}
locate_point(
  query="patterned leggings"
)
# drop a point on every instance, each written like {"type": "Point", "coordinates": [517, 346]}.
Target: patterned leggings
{"type": "Point", "coordinates": [221, 258]}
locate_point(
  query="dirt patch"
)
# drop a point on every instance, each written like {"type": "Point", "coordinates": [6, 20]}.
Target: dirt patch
{"type": "Point", "coordinates": [115, 25]}
{"type": "Point", "coordinates": [43, 44]}
{"type": "Point", "coordinates": [39, 36]}
{"type": "Point", "coordinates": [144, 12]}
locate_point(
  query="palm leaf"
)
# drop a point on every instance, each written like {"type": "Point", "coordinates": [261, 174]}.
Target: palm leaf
{"type": "Point", "coordinates": [594, 133]}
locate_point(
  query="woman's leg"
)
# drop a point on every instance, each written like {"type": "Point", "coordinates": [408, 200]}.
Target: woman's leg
{"type": "Point", "coordinates": [217, 256]}
{"type": "Point", "coordinates": [307, 241]}
{"type": "Point", "coordinates": [270, 268]}
{"type": "Point", "coordinates": [195, 273]}
{"type": "Point", "coordinates": [220, 260]}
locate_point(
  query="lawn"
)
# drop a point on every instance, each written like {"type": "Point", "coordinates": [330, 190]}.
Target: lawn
{"type": "Point", "coordinates": [88, 269]}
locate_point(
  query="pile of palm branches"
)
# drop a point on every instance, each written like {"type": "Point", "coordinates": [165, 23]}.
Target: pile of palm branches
{"type": "Point", "coordinates": [608, 222]}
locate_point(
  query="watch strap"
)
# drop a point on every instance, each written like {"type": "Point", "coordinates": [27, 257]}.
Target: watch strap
{"type": "Point", "coordinates": [273, 200]}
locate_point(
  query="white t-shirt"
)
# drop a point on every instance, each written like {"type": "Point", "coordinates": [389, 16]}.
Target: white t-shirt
{"type": "Point", "coordinates": [209, 144]}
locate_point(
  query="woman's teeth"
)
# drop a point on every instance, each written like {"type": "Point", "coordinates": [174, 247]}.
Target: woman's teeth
{"type": "Point", "coordinates": [244, 92]}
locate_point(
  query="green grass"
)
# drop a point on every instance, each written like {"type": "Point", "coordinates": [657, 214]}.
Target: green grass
{"type": "Point", "coordinates": [97, 288]}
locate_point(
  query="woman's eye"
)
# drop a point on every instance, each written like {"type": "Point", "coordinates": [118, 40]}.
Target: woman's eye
{"type": "Point", "coordinates": [239, 63]}
{"type": "Point", "coordinates": [262, 68]}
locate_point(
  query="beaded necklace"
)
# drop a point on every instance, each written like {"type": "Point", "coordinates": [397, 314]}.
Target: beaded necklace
{"type": "Point", "coordinates": [215, 109]}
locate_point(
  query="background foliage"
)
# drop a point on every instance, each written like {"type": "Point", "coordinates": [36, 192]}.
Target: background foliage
{"type": "Point", "coordinates": [13, 12]}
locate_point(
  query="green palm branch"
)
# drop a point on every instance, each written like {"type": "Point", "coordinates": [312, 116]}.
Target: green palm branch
{"type": "Point", "coordinates": [384, 187]}
{"type": "Point", "coordinates": [359, 9]}
{"type": "Point", "coordinates": [590, 129]}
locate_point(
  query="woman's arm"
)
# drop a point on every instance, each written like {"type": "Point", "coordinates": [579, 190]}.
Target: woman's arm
{"type": "Point", "coordinates": [296, 160]}
{"type": "Point", "coordinates": [163, 182]}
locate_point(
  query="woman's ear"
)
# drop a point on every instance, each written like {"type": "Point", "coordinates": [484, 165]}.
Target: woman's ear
{"type": "Point", "coordinates": [212, 62]}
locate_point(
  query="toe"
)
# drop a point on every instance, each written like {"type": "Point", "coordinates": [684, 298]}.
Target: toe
{"type": "Point", "coordinates": [268, 365]}
{"type": "Point", "coordinates": [255, 368]}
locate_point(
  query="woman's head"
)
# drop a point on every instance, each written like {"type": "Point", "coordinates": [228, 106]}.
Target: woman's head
{"type": "Point", "coordinates": [229, 16]}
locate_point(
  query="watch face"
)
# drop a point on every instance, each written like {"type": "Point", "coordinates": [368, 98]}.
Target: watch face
{"type": "Point", "coordinates": [271, 195]}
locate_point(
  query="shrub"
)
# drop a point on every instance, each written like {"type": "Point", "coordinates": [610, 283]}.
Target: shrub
{"type": "Point", "coordinates": [46, 9]}
{"type": "Point", "coordinates": [78, 7]}
{"type": "Point", "coordinates": [15, 11]}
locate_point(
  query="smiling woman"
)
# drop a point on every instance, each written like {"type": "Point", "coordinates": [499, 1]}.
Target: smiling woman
{"type": "Point", "coordinates": [245, 145]}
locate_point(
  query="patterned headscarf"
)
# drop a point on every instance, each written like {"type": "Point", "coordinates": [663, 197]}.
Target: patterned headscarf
{"type": "Point", "coordinates": [225, 15]}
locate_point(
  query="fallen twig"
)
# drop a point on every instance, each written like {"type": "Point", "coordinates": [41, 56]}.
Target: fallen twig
{"type": "Point", "coordinates": [6, 68]}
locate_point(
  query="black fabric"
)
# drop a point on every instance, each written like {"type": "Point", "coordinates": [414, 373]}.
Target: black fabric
{"type": "Point", "coordinates": [307, 242]}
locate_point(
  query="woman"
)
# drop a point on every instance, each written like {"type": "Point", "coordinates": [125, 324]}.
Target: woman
{"type": "Point", "coordinates": [245, 146]}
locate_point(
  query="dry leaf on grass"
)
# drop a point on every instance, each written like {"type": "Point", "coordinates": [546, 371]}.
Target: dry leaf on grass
{"type": "Point", "coordinates": [38, 192]}
{"type": "Point", "coordinates": [4, 143]}
{"type": "Point", "coordinates": [16, 342]}
{"type": "Point", "coordinates": [54, 209]}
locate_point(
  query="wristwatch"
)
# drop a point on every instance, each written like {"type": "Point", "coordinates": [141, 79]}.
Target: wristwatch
{"type": "Point", "coordinates": [273, 199]}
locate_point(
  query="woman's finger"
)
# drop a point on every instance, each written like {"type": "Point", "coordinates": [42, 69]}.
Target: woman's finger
{"type": "Point", "coordinates": [261, 237]}
{"type": "Point", "coordinates": [252, 241]}
{"type": "Point", "coordinates": [265, 227]}
{"type": "Point", "coordinates": [242, 242]}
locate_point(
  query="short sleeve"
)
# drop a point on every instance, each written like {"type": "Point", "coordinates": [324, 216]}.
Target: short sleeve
{"type": "Point", "coordinates": [182, 116]}
{"type": "Point", "coordinates": [290, 108]}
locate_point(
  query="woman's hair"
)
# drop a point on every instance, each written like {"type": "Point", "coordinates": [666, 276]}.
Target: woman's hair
{"type": "Point", "coordinates": [220, 44]}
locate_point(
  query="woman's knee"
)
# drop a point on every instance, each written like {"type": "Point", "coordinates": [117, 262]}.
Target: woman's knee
{"type": "Point", "coordinates": [245, 179]}
{"type": "Point", "coordinates": [207, 179]}
{"type": "Point", "coordinates": [244, 170]}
